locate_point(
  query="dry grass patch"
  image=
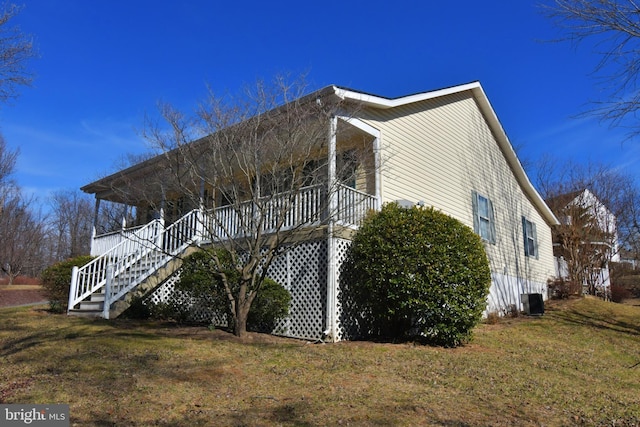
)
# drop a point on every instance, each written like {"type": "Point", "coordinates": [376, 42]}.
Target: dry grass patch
{"type": "Point", "coordinates": [569, 367]}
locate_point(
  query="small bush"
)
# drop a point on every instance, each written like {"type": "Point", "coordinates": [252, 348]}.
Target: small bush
{"type": "Point", "coordinates": [560, 288]}
{"type": "Point", "coordinates": [619, 293]}
{"type": "Point", "coordinates": [143, 309]}
{"type": "Point", "coordinates": [56, 281]}
{"type": "Point", "coordinates": [270, 306]}
{"type": "Point", "coordinates": [492, 318]}
{"type": "Point", "coordinates": [138, 309]}
{"type": "Point", "coordinates": [415, 273]}
{"type": "Point", "coordinates": [200, 279]}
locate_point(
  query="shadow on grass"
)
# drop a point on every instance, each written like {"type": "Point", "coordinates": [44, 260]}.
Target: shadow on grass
{"type": "Point", "coordinates": [597, 321]}
{"type": "Point", "coordinates": [291, 413]}
{"type": "Point", "coordinates": [27, 336]}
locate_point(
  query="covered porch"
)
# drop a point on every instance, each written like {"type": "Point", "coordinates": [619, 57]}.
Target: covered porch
{"type": "Point", "coordinates": [344, 184]}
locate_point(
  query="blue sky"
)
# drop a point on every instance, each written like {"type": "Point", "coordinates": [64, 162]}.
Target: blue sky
{"type": "Point", "coordinates": [104, 65]}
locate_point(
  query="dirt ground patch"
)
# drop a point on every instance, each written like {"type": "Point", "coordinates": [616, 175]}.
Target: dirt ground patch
{"type": "Point", "coordinates": [14, 295]}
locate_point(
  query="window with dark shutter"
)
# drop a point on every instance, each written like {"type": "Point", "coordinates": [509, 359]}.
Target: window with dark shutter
{"type": "Point", "coordinates": [483, 219]}
{"type": "Point", "coordinates": [530, 238]}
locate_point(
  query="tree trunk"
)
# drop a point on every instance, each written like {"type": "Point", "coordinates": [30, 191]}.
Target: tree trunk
{"type": "Point", "coordinates": [240, 321]}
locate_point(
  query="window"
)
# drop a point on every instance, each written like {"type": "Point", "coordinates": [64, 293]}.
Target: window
{"type": "Point", "coordinates": [483, 220]}
{"type": "Point", "coordinates": [347, 167]}
{"type": "Point", "coordinates": [530, 238]}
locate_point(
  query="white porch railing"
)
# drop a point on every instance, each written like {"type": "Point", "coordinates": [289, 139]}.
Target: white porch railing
{"type": "Point", "coordinates": [138, 253]}
{"type": "Point", "coordinates": [280, 212]}
{"type": "Point", "coordinates": [353, 206]}
{"type": "Point", "coordinates": [107, 241]}
{"type": "Point", "coordinates": [306, 208]}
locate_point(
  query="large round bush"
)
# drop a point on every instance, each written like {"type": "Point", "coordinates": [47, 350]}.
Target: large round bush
{"type": "Point", "coordinates": [415, 272]}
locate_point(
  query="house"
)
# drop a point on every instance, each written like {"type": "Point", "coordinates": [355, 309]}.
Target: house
{"type": "Point", "coordinates": [585, 241]}
{"type": "Point", "coordinates": [444, 148]}
{"type": "Point", "coordinates": [629, 257]}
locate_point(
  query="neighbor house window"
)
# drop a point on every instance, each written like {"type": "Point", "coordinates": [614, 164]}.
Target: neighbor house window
{"type": "Point", "coordinates": [530, 238]}
{"type": "Point", "coordinates": [483, 220]}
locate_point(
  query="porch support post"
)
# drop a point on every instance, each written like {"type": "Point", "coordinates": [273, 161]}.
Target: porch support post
{"type": "Point", "coordinates": [202, 213]}
{"type": "Point", "coordinates": [160, 236]}
{"type": "Point", "coordinates": [332, 280]}
{"type": "Point", "coordinates": [73, 288]}
{"type": "Point", "coordinates": [163, 204]}
{"type": "Point", "coordinates": [94, 230]}
{"type": "Point", "coordinates": [106, 305]}
{"type": "Point", "coordinates": [124, 217]}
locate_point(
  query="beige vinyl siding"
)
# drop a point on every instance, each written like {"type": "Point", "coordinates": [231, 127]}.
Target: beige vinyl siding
{"type": "Point", "coordinates": [439, 151]}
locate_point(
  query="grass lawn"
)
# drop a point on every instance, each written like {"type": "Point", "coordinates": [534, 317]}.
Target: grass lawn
{"type": "Point", "coordinates": [576, 365]}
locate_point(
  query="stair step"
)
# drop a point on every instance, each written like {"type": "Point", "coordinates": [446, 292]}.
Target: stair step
{"type": "Point", "coordinates": [91, 306]}
{"type": "Point", "coordinates": [85, 313]}
{"type": "Point", "coordinates": [97, 297]}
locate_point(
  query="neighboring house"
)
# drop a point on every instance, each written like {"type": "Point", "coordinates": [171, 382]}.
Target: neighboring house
{"type": "Point", "coordinates": [585, 241]}
{"type": "Point", "coordinates": [629, 257]}
{"type": "Point", "coordinates": [443, 148]}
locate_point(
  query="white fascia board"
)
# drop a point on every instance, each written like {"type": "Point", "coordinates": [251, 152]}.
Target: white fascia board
{"type": "Point", "coordinates": [384, 103]}
{"type": "Point", "coordinates": [365, 127]}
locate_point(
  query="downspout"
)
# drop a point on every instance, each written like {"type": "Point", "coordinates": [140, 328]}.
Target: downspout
{"type": "Point", "coordinates": [377, 162]}
{"type": "Point", "coordinates": [331, 247]}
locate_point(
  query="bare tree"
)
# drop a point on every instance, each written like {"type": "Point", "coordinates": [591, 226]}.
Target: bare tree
{"type": "Point", "coordinates": [592, 231]}
{"type": "Point", "coordinates": [255, 160]}
{"type": "Point", "coordinates": [23, 234]}
{"type": "Point", "coordinates": [614, 29]}
{"type": "Point", "coordinates": [71, 221]}
{"type": "Point", "coordinates": [7, 162]}
{"type": "Point", "coordinates": [20, 229]}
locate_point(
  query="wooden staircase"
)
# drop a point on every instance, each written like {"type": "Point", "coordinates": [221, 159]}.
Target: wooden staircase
{"type": "Point", "coordinates": [106, 286]}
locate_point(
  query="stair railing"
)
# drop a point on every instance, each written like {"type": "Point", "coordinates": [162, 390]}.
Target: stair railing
{"type": "Point", "coordinates": [172, 241]}
{"type": "Point", "coordinates": [92, 276]}
{"type": "Point", "coordinates": [154, 244]}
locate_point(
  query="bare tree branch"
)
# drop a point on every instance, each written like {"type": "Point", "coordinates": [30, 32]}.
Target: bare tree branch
{"type": "Point", "coordinates": [614, 28]}
{"type": "Point", "coordinates": [16, 49]}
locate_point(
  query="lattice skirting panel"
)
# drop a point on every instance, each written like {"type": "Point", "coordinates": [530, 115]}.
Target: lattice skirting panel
{"type": "Point", "coordinates": [347, 327]}
{"type": "Point", "coordinates": [302, 270]}
{"type": "Point", "coordinates": [194, 309]}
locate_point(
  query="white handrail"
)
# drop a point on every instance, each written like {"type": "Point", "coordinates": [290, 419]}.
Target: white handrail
{"type": "Point", "coordinates": [133, 259]}
{"type": "Point", "coordinates": [92, 276]}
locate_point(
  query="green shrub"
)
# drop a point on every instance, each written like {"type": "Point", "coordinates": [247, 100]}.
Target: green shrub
{"type": "Point", "coordinates": [56, 281]}
{"type": "Point", "coordinates": [415, 273]}
{"type": "Point", "coordinates": [142, 308]}
{"type": "Point", "coordinates": [269, 307]}
{"type": "Point", "coordinates": [200, 279]}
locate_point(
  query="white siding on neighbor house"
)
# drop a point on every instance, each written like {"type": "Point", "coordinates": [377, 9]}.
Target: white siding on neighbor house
{"type": "Point", "coordinates": [439, 151]}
